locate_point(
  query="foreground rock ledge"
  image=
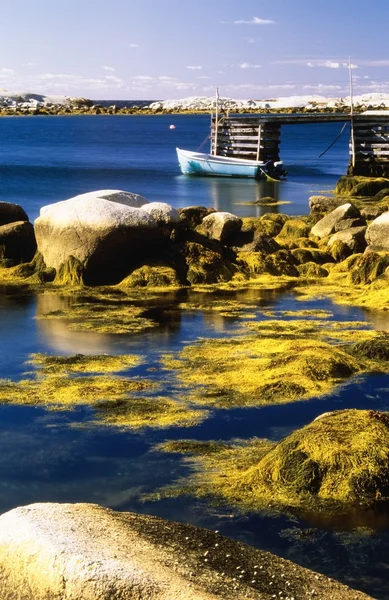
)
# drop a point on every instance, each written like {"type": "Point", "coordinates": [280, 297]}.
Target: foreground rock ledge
{"type": "Point", "coordinates": [84, 551]}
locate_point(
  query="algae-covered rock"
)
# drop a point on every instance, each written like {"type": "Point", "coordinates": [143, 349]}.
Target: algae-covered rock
{"type": "Point", "coordinates": [294, 228]}
{"type": "Point", "coordinates": [282, 263]}
{"type": "Point", "coordinates": [339, 250]}
{"type": "Point", "coordinates": [338, 461]}
{"type": "Point", "coordinates": [376, 349]}
{"type": "Point", "coordinates": [359, 186]}
{"type": "Point", "coordinates": [206, 265]}
{"type": "Point", "coordinates": [311, 269]}
{"type": "Point", "coordinates": [70, 272]}
{"type": "Point", "coordinates": [367, 267]}
{"type": "Point", "coordinates": [17, 241]}
{"type": "Point", "coordinates": [340, 458]}
{"type": "Point", "coordinates": [152, 276]}
{"type": "Point", "coordinates": [11, 213]}
{"type": "Point", "coordinates": [305, 255]}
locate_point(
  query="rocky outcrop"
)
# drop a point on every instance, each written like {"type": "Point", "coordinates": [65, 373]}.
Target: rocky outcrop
{"type": "Point", "coordinates": [326, 226]}
{"type": "Point", "coordinates": [84, 551]}
{"type": "Point", "coordinates": [104, 230]}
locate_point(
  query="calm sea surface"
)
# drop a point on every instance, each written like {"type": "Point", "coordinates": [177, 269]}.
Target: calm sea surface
{"type": "Point", "coordinates": [48, 456]}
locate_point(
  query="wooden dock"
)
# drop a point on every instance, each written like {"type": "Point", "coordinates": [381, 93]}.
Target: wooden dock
{"type": "Point", "coordinates": [258, 137]}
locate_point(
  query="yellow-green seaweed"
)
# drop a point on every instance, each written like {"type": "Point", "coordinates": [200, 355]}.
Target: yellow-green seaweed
{"type": "Point", "coordinates": [82, 363]}
{"type": "Point", "coordinates": [141, 412]}
{"type": "Point", "coordinates": [58, 391]}
{"type": "Point", "coordinates": [338, 460]}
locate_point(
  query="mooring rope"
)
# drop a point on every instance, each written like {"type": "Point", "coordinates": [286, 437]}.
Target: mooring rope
{"type": "Point", "coordinates": [335, 140]}
{"type": "Point", "coordinates": [203, 142]}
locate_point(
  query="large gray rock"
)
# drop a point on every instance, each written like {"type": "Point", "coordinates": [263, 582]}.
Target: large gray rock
{"type": "Point", "coordinates": [221, 226]}
{"type": "Point", "coordinates": [107, 236]}
{"type": "Point", "coordinates": [327, 224]}
{"type": "Point", "coordinates": [377, 234]}
{"type": "Point", "coordinates": [354, 238]}
{"type": "Point", "coordinates": [17, 241]}
{"type": "Point", "coordinates": [86, 552]}
{"type": "Point", "coordinates": [10, 213]}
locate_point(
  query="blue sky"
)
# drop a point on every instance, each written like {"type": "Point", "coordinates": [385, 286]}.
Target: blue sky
{"type": "Point", "coordinates": [161, 49]}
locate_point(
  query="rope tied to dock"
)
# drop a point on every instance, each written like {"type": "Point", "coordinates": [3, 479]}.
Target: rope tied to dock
{"type": "Point", "coordinates": [335, 140]}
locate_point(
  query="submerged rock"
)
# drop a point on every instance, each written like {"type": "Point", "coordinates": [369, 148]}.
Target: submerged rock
{"type": "Point", "coordinates": [71, 551]}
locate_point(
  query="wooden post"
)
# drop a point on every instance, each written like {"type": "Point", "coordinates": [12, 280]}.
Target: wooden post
{"type": "Point", "coordinates": [259, 142]}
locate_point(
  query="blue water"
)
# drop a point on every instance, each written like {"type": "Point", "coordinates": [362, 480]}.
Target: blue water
{"type": "Point", "coordinates": [64, 456]}
{"type": "Point", "coordinates": [47, 159]}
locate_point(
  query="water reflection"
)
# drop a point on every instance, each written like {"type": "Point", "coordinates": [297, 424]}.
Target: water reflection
{"type": "Point", "coordinates": [237, 196]}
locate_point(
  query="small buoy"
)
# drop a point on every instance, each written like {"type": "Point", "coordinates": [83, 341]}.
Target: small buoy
{"type": "Point", "coordinates": [172, 127]}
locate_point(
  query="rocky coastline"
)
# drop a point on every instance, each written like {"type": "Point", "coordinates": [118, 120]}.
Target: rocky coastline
{"type": "Point", "coordinates": [117, 246]}
{"type": "Point", "coordinates": [25, 104]}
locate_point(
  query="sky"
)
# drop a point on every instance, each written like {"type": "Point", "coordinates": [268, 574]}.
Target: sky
{"type": "Point", "coordinates": [170, 49]}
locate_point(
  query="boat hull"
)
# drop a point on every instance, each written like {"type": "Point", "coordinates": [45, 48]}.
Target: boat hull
{"type": "Point", "coordinates": [196, 163]}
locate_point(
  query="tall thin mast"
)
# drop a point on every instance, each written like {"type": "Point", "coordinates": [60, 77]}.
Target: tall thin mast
{"type": "Point", "coordinates": [216, 122]}
{"type": "Point", "coordinates": [352, 141]}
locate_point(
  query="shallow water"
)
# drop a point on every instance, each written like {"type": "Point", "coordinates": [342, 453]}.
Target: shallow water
{"type": "Point", "coordinates": [47, 159]}
{"type": "Point", "coordinates": [64, 457]}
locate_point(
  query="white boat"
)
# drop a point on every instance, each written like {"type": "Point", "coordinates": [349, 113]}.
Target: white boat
{"type": "Point", "coordinates": [198, 163]}
{"type": "Point", "coordinates": [215, 165]}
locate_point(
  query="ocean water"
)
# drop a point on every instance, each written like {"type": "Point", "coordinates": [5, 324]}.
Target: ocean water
{"type": "Point", "coordinates": [48, 159]}
{"type": "Point", "coordinates": [64, 456]}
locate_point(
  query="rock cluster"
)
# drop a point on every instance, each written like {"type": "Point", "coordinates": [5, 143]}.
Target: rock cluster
{"type": "Point", "coordinates": [111, 236]}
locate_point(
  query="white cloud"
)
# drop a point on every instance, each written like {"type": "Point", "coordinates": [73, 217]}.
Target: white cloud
{"type": "Point", "coordinates": [7, 71]}
{"type": "Point", "coordinates": [143, 78]}
{"type": "Point", "coordinates": [108, 68]}
{"type": "Point", "coordinates": [194, 67]}
{"type": "Point", "coordinates": [246, 65]}
{"type": "Point", "coordinates": [133, 46]}
{"type": "Point", "coordinates": [255, 21]}
{"type": "Point", "coordinates": [330, 64]}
